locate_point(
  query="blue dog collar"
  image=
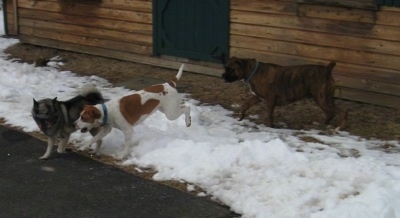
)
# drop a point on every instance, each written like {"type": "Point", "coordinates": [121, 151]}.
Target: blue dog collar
{"type": "Point", "coordinates": [253, 73]}
{"type": "Point", "coordinates": [105, 112]}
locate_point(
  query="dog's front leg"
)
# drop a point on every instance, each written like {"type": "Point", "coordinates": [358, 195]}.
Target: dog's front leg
{"type": "Point", "coordinates": [103, 131]}
{"type": "Point", "coordinates": [98, 138]}
{"type": "Point", "coordinates": [252, 101]}
{"type": "Point", "coordinates": [94, 132]}
{"type": "Point", "coordinates": [50, 144]}
{"type": "Point", "coordinates": [62, 145]}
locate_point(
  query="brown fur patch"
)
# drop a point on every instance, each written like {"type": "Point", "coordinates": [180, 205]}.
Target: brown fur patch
{"type": "Point", "coordinates": [132, 109]}
{"type": "Point", "coordinates": [90, 114]}
{"type": "Point", "coordinates": [156, 89]}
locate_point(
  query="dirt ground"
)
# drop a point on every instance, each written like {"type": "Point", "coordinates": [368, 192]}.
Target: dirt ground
{"type": "Point", "coordinates": [365, 120]}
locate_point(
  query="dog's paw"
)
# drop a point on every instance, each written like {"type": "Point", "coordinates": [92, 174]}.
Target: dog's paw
{"type": "Point", "coordinates": [61, 150]}
{"type": "Point", "coordinates": [83, 147]}
{"type": "Point", "coordinates": [44, 157]}
{"type": "Point", "coordinates": [93, 151]}
{"type": "Point", "coordinates": [121, 156]}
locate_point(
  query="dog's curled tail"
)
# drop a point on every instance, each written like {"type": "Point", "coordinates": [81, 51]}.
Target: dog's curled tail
{"type": "Point", "coordinates": [92, 94]}
{"type": "Point", "coordinates": [177, 77]}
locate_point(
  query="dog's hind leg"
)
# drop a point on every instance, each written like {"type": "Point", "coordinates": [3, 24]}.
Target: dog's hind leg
{"type": "Point", "coordinates": [62, 145]}
{"type": "Point", "coordinates": [50, 144]}
{"type": "Point", "coordinates": [249, 103]}
{"type": "Point", "coordinates": [128, 132]}
{"type": "Point", "coordinates": [327, 105]}
{"type": "Point", "coordinates": [342, 118]}
{"type": "Point", "coordinates": [270, 105]}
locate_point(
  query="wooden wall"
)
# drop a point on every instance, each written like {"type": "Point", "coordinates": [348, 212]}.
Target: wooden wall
{"type": "Point", "coordinates": [365, 43]}
{"type": "Point", "coordinates": [114, 25]}
{"type": "Point", "coordinates": [119, 29]}
{"type": "Point", "coordinates": [9, 9]}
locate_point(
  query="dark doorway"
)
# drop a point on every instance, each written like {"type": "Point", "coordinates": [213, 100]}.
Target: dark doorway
{"type": "Point", "coordinates": [194, 29]}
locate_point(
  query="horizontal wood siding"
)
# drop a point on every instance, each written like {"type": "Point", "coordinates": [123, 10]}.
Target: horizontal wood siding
{"type": "Point", "coordinates": [364, 43]}
{"type": "Point", "coordinates": [110, 24]}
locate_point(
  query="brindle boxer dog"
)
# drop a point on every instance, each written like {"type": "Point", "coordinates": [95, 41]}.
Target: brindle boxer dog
{"type": "Point", "coordinates": [280, 85]}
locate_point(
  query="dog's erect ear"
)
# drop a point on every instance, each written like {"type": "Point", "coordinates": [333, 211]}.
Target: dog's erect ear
{"type": "Point", "coordinates": [54, 99]}
{"type": "Point", "coordinates": [35, 103]}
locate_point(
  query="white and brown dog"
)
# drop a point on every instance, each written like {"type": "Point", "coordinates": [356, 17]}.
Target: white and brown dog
{"type": "Point", "coordinates": [130, 110]}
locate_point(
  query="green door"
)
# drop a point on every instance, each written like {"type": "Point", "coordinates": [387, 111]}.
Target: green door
{"type": "Point", "coordinates": [194, 29]}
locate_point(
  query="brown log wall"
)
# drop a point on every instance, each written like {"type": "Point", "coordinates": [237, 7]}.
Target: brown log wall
{"type": "Point", "coordinates": [364, 43]}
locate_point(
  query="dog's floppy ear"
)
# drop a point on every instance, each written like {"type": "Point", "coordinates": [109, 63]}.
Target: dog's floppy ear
{"type": "Point", "coordinates": [236, 60]}
{"type": "Point", "coordinates": [250, 65]}
{"type": "Point", "coordinates": [92, 111]}
{"type": "Point", "coordinates": [241, 62]}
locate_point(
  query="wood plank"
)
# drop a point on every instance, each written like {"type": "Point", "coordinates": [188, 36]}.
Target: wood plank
{"type": "Point", "coordinates": [363, 30]}
{"type": "Point", "coordinates": [127, 56]}
{"type": "Point", "coordinates": [88, 11]}
{"type": "Point", "coordinates": [78, 20]}
{"type": "Point", "coordinates": [362, 4]}
{"type": "Point", "coordinates": [366, 84]}
{"type": "Point", "coordinates": [312, 51]}
{"type": "Point", "coordinates": [349, 70]}
{"type": "Point", "coordinates": [132, 5]}
{"type": "Point", "coordinates": [280, 7]}
{"type": "Point", "coordinates": [336, 13]}
{"type": "Point", "coordinates": [365, 72]}
{"type": "Point", "coordinates": [134, 38]}
{"type": "Point", "coordinates": [9, 6]}
{"type": "Point", "coordinates": [368, 97]}
{"type": "Point", "coordinates": [380, 17]}
{"type": "Point", "coordinates": [317, 38]}
{"type": "Point", "coordinates": [90, 41]}
{"type": "Point", "coordinates": [390, 18]}
{"type": "Point", "coordinates": [389, 8]}
{"type": "Point", "coordinates": [10, 25]}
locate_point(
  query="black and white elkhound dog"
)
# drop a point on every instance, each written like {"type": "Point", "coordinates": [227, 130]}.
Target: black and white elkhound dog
{"type": "Point", "coordinates": [56, 118]}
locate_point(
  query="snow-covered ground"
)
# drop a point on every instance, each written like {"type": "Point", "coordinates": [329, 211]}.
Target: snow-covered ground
{"type": "Point", "coordinates": [255, 170]}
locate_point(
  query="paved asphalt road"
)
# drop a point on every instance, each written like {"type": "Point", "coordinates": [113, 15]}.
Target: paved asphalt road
{"type": "Point", "coordinates": [71, 185]}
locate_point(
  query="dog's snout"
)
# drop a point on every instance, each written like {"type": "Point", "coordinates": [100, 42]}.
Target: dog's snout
{"type": "Point", "coordinates": [229, 76]}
